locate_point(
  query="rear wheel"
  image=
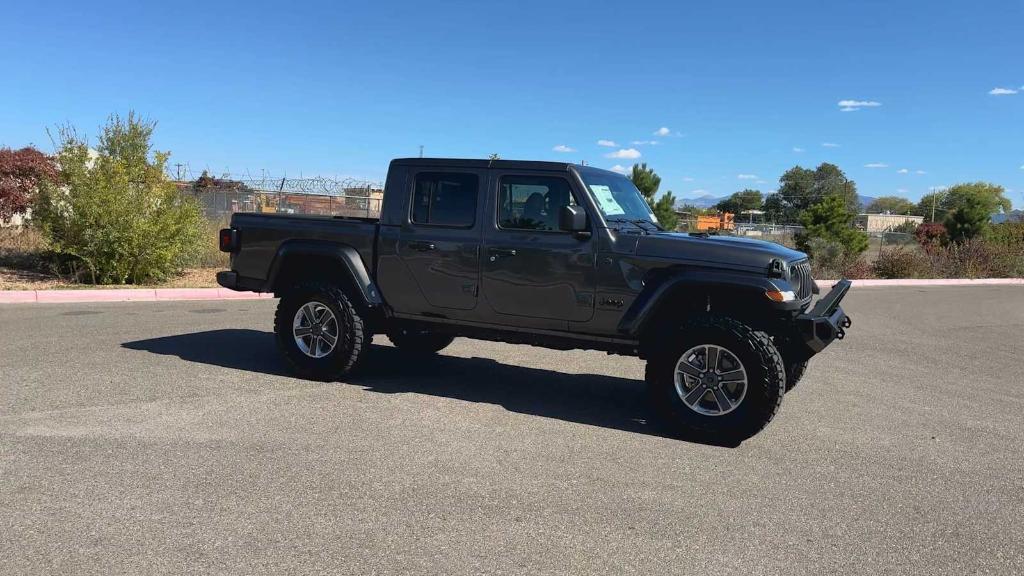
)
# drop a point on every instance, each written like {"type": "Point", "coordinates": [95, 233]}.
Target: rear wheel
{"type": "Point", "coordinates": [716, 378]}
{"type": "Point", "coordinates": [319, 332]}
{"type": "Point", "coordinates": [419, 341]}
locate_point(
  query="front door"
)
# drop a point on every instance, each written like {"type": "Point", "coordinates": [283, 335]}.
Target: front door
{"type": "Point", "coordinates": [440, 244]}
{"type": "Point", "coordinates": [531, 269]}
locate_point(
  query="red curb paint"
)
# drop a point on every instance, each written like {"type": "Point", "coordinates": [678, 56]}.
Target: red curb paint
{"type": "Point", "coordinates": [114, 295]}
{"type": "Point", "coordinates": [17, 296]}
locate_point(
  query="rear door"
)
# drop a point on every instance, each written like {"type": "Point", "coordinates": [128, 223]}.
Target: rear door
{"type": "Point", "coordinates": [440, 241]}
{"type": "Point", "coordinates": [531, 269]}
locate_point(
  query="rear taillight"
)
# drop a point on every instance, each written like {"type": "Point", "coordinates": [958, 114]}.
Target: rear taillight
{"type": "Point", "coordinates": [228, 240]}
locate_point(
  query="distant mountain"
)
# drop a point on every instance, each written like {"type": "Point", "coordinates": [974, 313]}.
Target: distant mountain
{"type": "Point", "coordinates": [702, 201]}
{"type": "Point", "coordinates": [1014, 216]}
{"type": "Point", "coordinates": [865, 201]}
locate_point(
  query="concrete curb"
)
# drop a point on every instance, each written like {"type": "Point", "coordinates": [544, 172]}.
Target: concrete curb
{"type": "Point", "coordinates": [177, 294]}
{"type": "Point", "coordinates": [124, 295]}
{"type": "Point", "coordinates": [929, 282]}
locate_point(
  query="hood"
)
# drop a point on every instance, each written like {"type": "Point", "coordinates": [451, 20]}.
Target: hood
{"type": "Point", "coordinates": [725, 251]}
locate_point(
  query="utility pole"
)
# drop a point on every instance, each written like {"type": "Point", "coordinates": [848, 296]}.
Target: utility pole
{"type": "Point", "coordinates": [178, 166]}
{"type": "Point", "coordinates": [934, 196]}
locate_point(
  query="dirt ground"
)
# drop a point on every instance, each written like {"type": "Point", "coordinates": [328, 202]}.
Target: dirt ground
{"type": "Point", "coordinates": [13, 279]}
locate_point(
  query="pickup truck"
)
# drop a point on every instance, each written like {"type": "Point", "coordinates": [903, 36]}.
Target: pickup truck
{"type": "Point", "coordinates": [548, 254]}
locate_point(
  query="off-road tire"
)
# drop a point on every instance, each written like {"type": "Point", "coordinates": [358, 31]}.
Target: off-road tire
{"type": "Point", "coordinates": [794, 372]}
{"type": "Point", "coordinates": [353, 340]}
{"type": "Point", "coordinates": [419, 341]}
{"type": "Point", "coordinates": [766, 380]}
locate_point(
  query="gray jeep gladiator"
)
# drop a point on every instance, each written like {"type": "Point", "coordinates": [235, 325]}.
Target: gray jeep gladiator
{"type": "Point", "coordinates": [547, 254]}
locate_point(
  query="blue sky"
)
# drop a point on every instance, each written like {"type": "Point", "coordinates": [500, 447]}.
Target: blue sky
{"type": "Point", "coordinates": [744, 89]}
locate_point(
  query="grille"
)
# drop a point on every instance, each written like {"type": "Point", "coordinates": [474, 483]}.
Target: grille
{"type": "Point", "coordinates": [800, 276]}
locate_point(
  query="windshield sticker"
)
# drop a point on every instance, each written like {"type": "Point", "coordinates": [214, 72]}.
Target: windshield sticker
{"type": "Point", "coordinates": [606, 200]}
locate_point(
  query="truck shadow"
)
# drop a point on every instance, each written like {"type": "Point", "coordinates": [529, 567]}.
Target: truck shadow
{"type": "Point", "coordinates": [591, 399]}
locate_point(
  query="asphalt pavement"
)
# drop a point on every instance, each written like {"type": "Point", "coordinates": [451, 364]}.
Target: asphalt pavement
{"type": "Point", "coordinates": [168, 438]}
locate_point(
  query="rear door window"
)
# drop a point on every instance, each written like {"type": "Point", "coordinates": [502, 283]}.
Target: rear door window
{"type": "Point", "coordinates": [445, 199]}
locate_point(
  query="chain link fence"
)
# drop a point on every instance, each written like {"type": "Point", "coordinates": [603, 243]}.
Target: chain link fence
{"type": "Point", "coordinates": [221, 197]}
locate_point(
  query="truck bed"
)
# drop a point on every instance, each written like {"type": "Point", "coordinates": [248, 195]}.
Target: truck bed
{"type": "Point", "coordinates": [264, 234]}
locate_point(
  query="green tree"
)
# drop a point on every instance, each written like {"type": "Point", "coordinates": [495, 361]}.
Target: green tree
{"type": "Point", "coordinates": [741, 201]}
{"type": "Point", "coordinates": [665, 211]}
{"type": "Point", "coordinates": [831, 220]}
{"type": "Point", "coordinates": [970, 219]}
{"type": "Point", "coordinates": [932, 203]}
{"type": "Point", "coordinates": [774, 209]}
{"type": "Point", "coordinates": [891, 204]}
{"type": "Point", "coordinates": [800, 188]}
{"type": "Point", "coordinates": [647, 182]}
{"type": "Point", "coordinates": [115, 214]}
{"type": "Point", "coordinates": [991, 197]}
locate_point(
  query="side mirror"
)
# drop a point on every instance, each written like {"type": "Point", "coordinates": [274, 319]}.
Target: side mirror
{"type": "Point", "coordinates": [572, 219]}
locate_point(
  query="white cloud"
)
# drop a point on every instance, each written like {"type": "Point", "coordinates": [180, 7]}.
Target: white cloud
{"type": "Point", "coordinates": [919, 172]}
{"type": "Point", "coordinates": [854, 105]}
{"type": "Point", "coordinates": [903, 171]}
{"type": "Point", "coordinates": [760, 182]}
{"type": "Point", "coordinates": [688, 179]}
{"type": "Point", "coordinates": [1002, 91]}
{"type": "Point", "coordinates": [797, 149]}
{"type": "Point", "coordinates": [608, 143]}
{"type": "Point", "coordinates": [876, 165]}
{"type": "Point", "coordinates": [644, 142]}
{"type": "Point", "coordinates": [830, 145]}
{"type": "Point", "coordinates": [698, 191]}
{"type": "Point", "coordinates": [902, 190]}
{"type": "Point", "coordinates": [663, 131]}
{"type": "Point", "coordinates": [620, 169]}
{"type": "Point", "coordinates": [626, 153]}
{"type": "Point", "coordinates": [747, 176]}
{"type": "Point", "coordinates": [563, 148]}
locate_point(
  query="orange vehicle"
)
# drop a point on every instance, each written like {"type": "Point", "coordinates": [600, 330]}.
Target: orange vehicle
{"type": "Point", "coordinates": [723, 221]}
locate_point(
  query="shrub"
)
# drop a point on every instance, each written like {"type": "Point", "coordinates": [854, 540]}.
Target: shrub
{"type": "Point", "coordinates": [979, 258]}
{"type": "Point", "coordinates": [857, 268]}
{"type": "Point", "coordinates": [829, 260]}
{"type": "Point", "coordinates": [22, 172]}
{"type": "Point", "coordinates": [1008, 234]}
{"type": "Point", "coordinates": [931, 235]}
{"type": "Point", "coordinates": [830, 220]}
{"type": "Point", "coordinates": [116, 218]}
{"type": "Point", "coordinates": [902, 263]}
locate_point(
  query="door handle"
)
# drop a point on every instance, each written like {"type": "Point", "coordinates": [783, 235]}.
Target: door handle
{"type": "Point", "coordinates": [495, 252]}
{"type": "Point", "coordinates": [422, 246]}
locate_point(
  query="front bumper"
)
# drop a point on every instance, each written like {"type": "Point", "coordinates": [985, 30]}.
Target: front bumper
{"type": "Point", "coordinates": [826, 321]}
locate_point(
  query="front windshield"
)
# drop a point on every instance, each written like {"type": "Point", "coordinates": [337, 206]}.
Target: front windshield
{"type": "Point", "coordinates": [616, 196]}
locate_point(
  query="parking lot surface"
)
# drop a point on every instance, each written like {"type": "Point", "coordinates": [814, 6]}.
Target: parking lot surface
{"type": "Point", "coordinates": [169, 438]}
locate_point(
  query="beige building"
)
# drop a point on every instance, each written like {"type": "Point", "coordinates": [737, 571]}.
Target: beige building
{"type": "Point", "coordinates": [884, 222]}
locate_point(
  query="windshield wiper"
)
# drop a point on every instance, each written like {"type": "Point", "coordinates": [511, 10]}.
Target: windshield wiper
{"type": "Point", "coordinates": [640, 223]}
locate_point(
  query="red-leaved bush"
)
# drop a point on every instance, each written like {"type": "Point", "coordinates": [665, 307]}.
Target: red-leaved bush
{"type": "Point", "coordinates": [21, 174]}
{"type": "Point", "coordinates": [931, 236]}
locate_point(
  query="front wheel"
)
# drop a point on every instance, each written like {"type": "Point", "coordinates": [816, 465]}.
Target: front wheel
{"type": "Point", "coordinates": [716, 378]}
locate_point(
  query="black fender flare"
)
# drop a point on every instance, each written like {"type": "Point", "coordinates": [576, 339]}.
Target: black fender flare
{"type": "Point", "coordinates": [345, 255]}
{"type": "Point", "coordinates": [645, 307]}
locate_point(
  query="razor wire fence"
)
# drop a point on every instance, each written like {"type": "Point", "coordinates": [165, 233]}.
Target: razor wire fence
{"type": "Point", "coordinates": [222, 196]}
